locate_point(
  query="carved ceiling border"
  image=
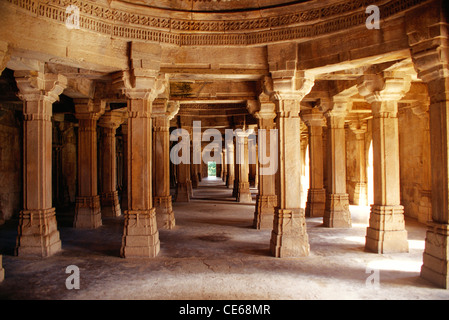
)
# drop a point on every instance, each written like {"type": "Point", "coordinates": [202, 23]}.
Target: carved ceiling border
{"type": "Point", "coordinates": [132, 26]}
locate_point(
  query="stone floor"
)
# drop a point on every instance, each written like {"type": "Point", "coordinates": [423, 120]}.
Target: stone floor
{"type": "Point", "coordinates": [214, 253]}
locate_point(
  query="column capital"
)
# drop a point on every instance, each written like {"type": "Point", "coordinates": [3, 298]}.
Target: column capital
{"type": "Point", "coordinates": [89, 109]}
{"type": "Point", "coordinates": [145, 86]}
{"type": "Point", "coordinates": [386, 87]}
{"type": "Point", "coordinates": [262, 108]}
{"type": "Point", "coordinates": [112, 119]}
{"type": "Point", "coordinates": [165, 108]}
{"type": "Point", "coordinates": [39, 85]}
{"type": "Point", "coordinates": [313, 118]}
{"type": "Point", "coordinates": [287, 89]}
{"type": "Point", "coordinates": [359, 127]}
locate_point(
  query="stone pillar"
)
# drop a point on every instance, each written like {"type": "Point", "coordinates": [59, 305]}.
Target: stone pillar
{"type": "Point", "coordinates": [266, 198]}
{"type": "Point", "coordinates": [2, 270]}
{"type": "Point", "coordinates": [242, 164]}
{"type": "Point", "coordinates": [140, 237]}
{"type": "Point", "coordinates": [230, 153]}
{"type": "Point", "coordinates": [336, 212]}
{"type": "Point", "coordinates": [224, 164]}
{"type": "Point", "coordinates": [140, 233]}
{"type": "Point", "coordinates": [88, 209]}
{"type": "Point", "coordinates": [124, 199]}
{"type": "Point", "coordinates": [360, 191]}
{"type": "Point", "coordinates": [429, 42]}
{"type": "Point", "coordinates": [289, 236]}
{"type": "Point", "coordinates": [163, 112]}
{"type": "Point", "coordinates": [109, 122]}
{"type": "Point", "coordinates": [316, 195]}
{"type": "Point", "coordinates": [4, 58]}
{"type": "Point", "coordinates": [421, 110]}
{"type": "Point", "coordinates": [37, 231]}
{"type": "Point", "coordinates": [386, 232]}
{"type": "Point", "coordinates": [193, 170]}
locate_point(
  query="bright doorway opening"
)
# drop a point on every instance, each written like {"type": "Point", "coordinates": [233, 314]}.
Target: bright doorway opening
{"type": "Point", "coordinates": [211, 169]}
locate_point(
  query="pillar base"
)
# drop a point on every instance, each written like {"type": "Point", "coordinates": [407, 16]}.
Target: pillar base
{"type": "Point", "coordinates": [386, 232]}
{"type": "Point", "coordinates": [316, 203]}
{"type": "Point", "coordinates": [289, 236]}
{"type": "Point", "coordinates": [336, 212]}
{"type": "Point", "coordinates": [435, 266]}
{"type": "Point", "coordinates": [37, 233]}
{"type": "Point", "coordinates": [140, 235]}
{"type": "Point", "coordinates": [2, 271]}
{"type": "Point", "coordinates": [182, 192]}
{"type": "Point", "coordinates": [165, 216]}
{"type": "Point", "coordinates": [110, 206]}
{"type": "Point", "coordinates": [264, 214]}
{"type": "Point", "coordinates": [243, 193]}
{"type": "Point", "coordinates": [87, 213]}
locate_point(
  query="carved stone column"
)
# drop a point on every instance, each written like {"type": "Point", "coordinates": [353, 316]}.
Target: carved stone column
{"type": "Point", "coordinates": [242, 164]}
{"type": "Point", "coordinates": [224, 165]}
{"type": "Point", "coordinates": [163, 112]}
{"type": "Point", "coordinates": [429, 42]}
{"type": "Point", "coordinates": [289, 236]}
{"type": "Point", "coordinates": [109, 122]}
{"type": "Point", "coordinates": [336, 212]}
{"type": "Point", "coordinates": [386, 232]}
{"type": "Point", "coordinates": [266, 199]}
{"type": "Point", "coordinates": [184, 187]}
{"type": "Point", "coordinates": [88, 209]}
{"type": "Point", "coordinates": [360, 190]}
{"type": "Point", "coordinates": [230, 153]}
{"type": "Point", "coordinates": [37, 231]}
{"type": "Point", "coordinates": [2, 270]}
{"type": "Point", "coordinates": [124, 199]}
{"type": "Point", "coordinates": [4, 58]}
{"type": "Point", "coordinates": [316, 196]}
{"type": "Point", "coordinates": [140, 234]}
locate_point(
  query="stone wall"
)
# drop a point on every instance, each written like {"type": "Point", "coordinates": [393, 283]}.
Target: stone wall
{"type": "Point", "coordinates": [10, 161]}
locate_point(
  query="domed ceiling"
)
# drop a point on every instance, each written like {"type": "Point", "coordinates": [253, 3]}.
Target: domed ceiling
{"type": "Point", "coordinates": [214, 5]}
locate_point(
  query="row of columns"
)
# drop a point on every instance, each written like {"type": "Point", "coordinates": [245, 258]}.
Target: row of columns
{"type": "Point", "coordinates": [38, 234]}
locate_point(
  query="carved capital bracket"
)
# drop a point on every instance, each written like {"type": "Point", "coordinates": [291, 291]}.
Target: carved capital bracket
{"type": "Point", "coordinates": [313, 118]}
{"type": "Point", "coordinates": [359, 127]}
{"type": "Point", "coordinates": [290, 91]}
{"type": "Point", "coordinates": [165, 108]}
{"type": "Point", "coordinates": [384, 91]}
{"type": "Point", "coordinates": [89, 109]}
{"type": "Point", "coordinates": [39, 85]}
{"type": "Point", "coordinates": [112, 119]}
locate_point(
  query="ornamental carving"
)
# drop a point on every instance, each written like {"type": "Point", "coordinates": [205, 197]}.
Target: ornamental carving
{"type": "Point", "coordinates": [181, 32]}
